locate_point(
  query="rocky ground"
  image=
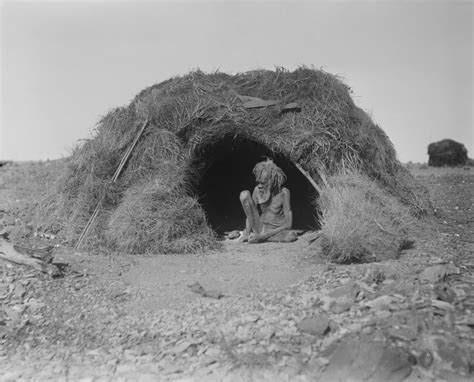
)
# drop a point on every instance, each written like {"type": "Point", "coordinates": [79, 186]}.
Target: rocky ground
{"type": "Point", "coordinates": [250, 312]}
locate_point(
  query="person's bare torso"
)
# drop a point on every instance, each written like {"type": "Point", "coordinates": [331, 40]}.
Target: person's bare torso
{"type": "Point", "coordinates": [272, 213]}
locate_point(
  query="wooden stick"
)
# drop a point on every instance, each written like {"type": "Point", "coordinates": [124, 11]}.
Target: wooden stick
{"type": "Point", "coordinates": [8, 253]}
{"type": "Point", "coordinates": [311, 180]}
{"type": "Point", "coordinates": [117, 173]}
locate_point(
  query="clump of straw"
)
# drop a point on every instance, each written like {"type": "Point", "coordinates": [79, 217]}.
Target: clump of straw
{"type": "Point", "coordinates": [360, 221]}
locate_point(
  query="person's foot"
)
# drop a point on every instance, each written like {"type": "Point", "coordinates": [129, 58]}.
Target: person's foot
{"type": "Point", "coordinates": [243, 238]}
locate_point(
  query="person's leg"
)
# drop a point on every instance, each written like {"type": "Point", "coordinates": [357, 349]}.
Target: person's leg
{"type": "Point", "coordinates": [251, 212]}
{"type": "Point", "coordinates": [286, 236]}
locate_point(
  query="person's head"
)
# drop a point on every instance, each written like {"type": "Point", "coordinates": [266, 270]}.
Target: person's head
{"type": "Point", "coordinates": [270, 179]}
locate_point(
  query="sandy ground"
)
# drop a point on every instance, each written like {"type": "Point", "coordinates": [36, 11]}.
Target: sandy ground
{"type": "Point", "coordinates": [135, 318]}
{"type": "Point", "coordinates": [239, 269]}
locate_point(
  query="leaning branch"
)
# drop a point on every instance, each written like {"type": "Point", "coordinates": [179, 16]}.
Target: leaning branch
{"type": "Point", "coordinates": [120, 167]}
{"type": "Point", "coordinates": [8, 253]}
{"type": "Point", "coordinates": [311, 180]}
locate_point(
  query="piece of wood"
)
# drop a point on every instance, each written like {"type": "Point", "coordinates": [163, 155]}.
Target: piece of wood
{"type": "Point", "coordinates": [291, 107]}
{"type": "Point", "coordinates": [307, 176]}
{"type": "Point", "coordinates": [8, 253]}
{"type": "Point", "coordinates": [254, 102]}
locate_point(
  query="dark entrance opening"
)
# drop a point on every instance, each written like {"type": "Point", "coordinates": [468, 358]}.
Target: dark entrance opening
{"type": "Point", "coordinates": [225, 169]}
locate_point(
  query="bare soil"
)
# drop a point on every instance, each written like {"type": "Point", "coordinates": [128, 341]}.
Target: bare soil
{"type": "Point", "coordinates": [285, 314]}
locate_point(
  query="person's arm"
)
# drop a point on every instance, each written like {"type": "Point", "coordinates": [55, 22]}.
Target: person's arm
{"type": "Point", "coordinates": [287, 223]}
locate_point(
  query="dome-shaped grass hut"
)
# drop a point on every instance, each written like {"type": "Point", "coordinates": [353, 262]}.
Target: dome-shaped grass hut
{"type": "Point", "coordinates": [205, 132]}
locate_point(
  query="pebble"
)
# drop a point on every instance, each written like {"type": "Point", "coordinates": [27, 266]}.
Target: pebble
{"type": "Point", "coordinates": [354, 327]}
{"type": "Point", "coordinates": [425, 359]}
{"type": "Point", "coordinates": [318, 325]}
{"type": "Point", "coordinates": [380, 303]}
{"type": "Point", "coordinates": [443, 305]}
{"type": "Point", "coordinates": [403, 333]}
{"type": "Point", "coordinates": [339, 307]}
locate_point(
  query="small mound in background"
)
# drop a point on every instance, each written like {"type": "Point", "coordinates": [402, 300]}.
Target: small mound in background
{"type": "Point", "coordinates": [447, 152]}
{"type": "Point", "coordinates": [360, 221]}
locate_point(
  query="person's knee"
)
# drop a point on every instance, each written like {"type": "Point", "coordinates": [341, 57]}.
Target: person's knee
{"type": "Point", "coordinates": [245, 196]}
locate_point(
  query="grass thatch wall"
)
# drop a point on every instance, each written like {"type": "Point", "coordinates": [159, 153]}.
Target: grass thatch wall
{"type": "Point", "coordinates": [360, 221]}
{"type": "Point", "coordinates": [152, 207]}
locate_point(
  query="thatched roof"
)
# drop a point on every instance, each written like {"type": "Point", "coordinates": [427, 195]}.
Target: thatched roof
{"type": "Point", "coordinates": [157, 204]}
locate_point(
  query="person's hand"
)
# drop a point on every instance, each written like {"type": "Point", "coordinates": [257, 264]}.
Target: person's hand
{"type": "Point", "coordinates": [255, 238]}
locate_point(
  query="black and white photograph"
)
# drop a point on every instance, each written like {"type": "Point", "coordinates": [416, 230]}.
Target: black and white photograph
{"type": "Point", "coordinates": [253, 190]}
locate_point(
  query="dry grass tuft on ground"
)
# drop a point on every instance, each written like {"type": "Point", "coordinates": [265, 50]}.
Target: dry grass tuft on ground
{"type": "Point", "coordinates": [167, 201]}
{"type": "Point", "coordinates": [360, 221]}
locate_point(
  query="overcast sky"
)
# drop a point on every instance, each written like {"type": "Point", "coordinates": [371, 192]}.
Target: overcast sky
{"type": "Point", "coordinates": [409, 63]}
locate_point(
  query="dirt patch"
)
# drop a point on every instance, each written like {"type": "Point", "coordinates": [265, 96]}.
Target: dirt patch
{"type": "Point", "coordinates": [162, 281]}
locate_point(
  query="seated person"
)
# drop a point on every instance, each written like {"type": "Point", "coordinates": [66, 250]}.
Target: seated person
{"type": "Point", "coordinates": [268, 212]}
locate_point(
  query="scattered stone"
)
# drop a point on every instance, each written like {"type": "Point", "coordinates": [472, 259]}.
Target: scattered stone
{"type": "Point", "coordinates": [250, 317]}
{"type": "Point", "coordinates": [382, 314]}
{"type": "Point", "coordinates": [347, 290]}
{"type": "Point", "coordinates": [341, 299]}
{"type": "Point", "coordinates": [442, 305]}
{"type": "Point", "coordinates": [444, 292]}
{"type": "Point", "coordinates": [403, 333]}
{"type": "Point", "coordinates": [320, 362]}
{"type": "Point", "coordinates": [20, 292]}
{"type": "Point", "coordinates": [199, 289]}
{"type": "Point", "coordinates": [365, 287]}
{"type": "Point", "coordinates": [317, 326]}
{"type": "Point", "coordinates": [340, 306]}
{"type": "Point", "coordinates": [425, 359]}
{"type": "Point", "coordinates": [380, 303]}
{"type": "Point", "coordinates": [354, 327]}
{"type": "Point", "coordinates": [439, 272]}
{"type": "Point", "coordinates": [181, 347]}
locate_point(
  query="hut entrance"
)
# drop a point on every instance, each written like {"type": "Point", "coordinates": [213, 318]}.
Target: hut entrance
{"type": "Point", "coordinates": [225, 169]}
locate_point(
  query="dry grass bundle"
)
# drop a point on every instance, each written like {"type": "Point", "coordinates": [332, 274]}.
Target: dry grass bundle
{"type": "Point", "coordinates": [360, 221]}
{"type": "Point", "coordinates": [153, 217]}
{"type": "Point", "coordinates": [191, 114]}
